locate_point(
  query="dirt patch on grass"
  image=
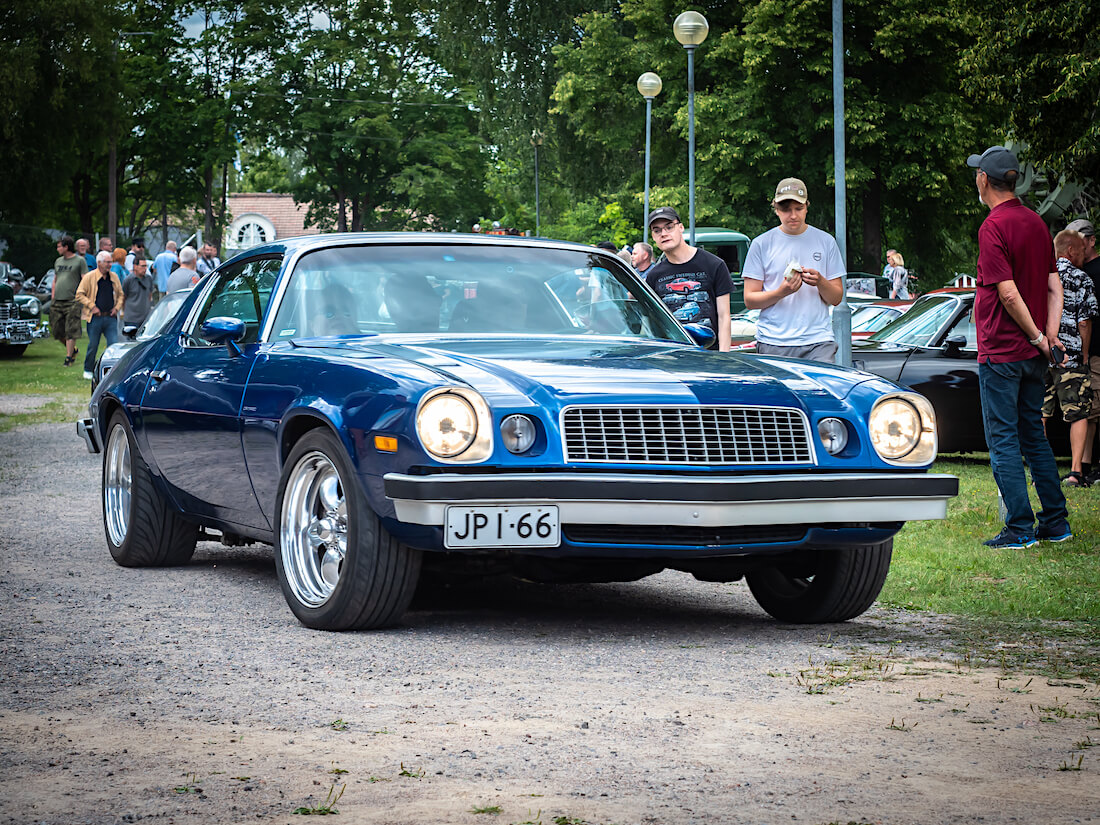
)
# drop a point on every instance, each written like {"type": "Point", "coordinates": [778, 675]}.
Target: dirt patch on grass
{"type": "Point", "coordinates": [16, 403]}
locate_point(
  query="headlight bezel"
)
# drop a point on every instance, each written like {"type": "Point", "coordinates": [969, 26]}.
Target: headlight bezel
{"type": "Point", "coordinates": [925, 443]}
{"type": "Point", "coordinates": [480, 446]}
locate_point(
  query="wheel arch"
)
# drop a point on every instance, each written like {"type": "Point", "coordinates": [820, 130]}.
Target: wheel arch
{"type": "Point", "coordinates": [302, 420]}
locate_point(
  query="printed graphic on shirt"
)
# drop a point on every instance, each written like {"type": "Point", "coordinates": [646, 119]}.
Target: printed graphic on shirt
{"type": "Point", "coordinates": [690, 290]}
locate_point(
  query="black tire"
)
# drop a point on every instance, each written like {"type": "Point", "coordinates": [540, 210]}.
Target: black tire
{"type": "Point", "coordinates": [827, 586]}
{"type": "Point", "coordinates": [365, 583]}
{"type": "Point", "coordinates": [12, 350]}
{"type": "Point", "coordinates": [143, 528]}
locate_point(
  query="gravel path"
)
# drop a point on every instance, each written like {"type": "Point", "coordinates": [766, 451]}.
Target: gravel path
{"type": "Point", "coordinates": [192, 695]}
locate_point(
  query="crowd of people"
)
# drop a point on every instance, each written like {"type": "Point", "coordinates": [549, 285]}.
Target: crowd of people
{"type": "Point", "coordinates": [113, 291]}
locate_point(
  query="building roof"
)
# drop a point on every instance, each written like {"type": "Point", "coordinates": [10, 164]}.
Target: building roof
{"type": "Point", "coordinates": [285, 216]}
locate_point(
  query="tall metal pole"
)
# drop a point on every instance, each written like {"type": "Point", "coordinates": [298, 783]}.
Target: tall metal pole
{"type": "Point", "coordinates": [649, 86]}
{"type": "Point", "coordinates": [691, 144]}
{"type": "Point", "coordinates": [536, 141]}
{"type": "Point", "coordinates": [842, 315]}
{"type": "Point", "coordinates": [648, 116]}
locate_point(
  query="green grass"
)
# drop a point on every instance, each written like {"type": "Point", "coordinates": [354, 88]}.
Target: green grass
{"type": "Point", "coordinates": [942, 566]}
{"type": "Point", "coordinates": [40, 371]}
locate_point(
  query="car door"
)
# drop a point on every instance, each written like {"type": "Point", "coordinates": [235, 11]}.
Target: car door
{"type": "Point", "coordinates": [191, 409]}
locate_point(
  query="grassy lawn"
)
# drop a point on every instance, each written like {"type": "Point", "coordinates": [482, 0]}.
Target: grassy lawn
{"type": "Point", "coordinates": [942, 565]}
{"type": "Point", "coordinates": [40, 372]}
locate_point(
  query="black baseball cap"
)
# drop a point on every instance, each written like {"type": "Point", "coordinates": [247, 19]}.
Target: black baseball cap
{"type": "Point", "coordinates": [662, 213]}
{"type": "Point", "coordinates": [996, 161]}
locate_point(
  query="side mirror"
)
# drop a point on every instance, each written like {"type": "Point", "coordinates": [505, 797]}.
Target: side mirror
{"type": "Point", "coordinates": [955, 343]}
{"type": "Point", "coordinates": [701, 335]}
{"type": "Point", "coordinates": [226, 331]}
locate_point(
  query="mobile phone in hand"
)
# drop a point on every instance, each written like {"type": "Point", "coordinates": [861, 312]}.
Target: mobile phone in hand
{"type": "Point", "coordinates": [1057, 355]}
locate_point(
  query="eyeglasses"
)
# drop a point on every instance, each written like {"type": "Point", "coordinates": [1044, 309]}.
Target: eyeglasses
{"type": "Point", "coordinates": [663, 228]}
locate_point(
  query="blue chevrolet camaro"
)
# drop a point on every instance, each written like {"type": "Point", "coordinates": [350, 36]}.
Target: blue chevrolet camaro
{"type": "Point", "coordinates": [376, 406]}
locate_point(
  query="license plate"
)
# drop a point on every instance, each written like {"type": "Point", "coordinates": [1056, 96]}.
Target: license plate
{"type": "Point", "coordinates": [502, 527]}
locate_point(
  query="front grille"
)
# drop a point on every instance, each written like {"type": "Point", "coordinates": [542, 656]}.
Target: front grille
{"type": "Point", "coordinates": [676, 536]}
{"type": "Point", "coordinates": [9, 312]}
{"type": "Point", "coordinates": [686, 435]}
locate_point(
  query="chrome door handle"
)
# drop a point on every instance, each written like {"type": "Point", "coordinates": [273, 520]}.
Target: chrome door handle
{"type": "Point", "coordinates": [158, 375]}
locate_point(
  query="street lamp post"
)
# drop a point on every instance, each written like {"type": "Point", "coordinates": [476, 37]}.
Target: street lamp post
{"type": "Point", "coordinates": [649, 85]}
{"type": "Point", "coordinates": [842, 315]}
{"type": "Point", "coordinates": [691, 30]}
{"type": "Point", "coordinates": [536, 141]}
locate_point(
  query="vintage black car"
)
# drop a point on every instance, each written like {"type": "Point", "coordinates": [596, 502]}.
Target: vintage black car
{"type": "Point", "coordinates": [933, 350]}
{"type": "Point", "coordinates": [19, 322]}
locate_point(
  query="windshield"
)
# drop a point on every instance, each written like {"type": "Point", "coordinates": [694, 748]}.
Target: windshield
{"type": "Point", "coordinates": [872, 318]}
{"type": "Point", "coordinates": [918, 327]}
{"type": "Point", "coordinates": [162, 314]}
{"type": "Point", "coordinates": [426, 288]}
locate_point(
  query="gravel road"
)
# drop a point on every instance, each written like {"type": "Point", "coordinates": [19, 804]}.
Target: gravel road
{"type": "Point", "coordinates": [191, 695]}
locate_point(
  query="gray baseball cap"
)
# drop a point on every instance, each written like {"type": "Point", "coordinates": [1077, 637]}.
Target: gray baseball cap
{"type": "Point", "coordinates": [996, 161]}
{"type": "Point", "coordinates": [1083, 226]}
{"type": "Point", "coordinates": [663, 213]}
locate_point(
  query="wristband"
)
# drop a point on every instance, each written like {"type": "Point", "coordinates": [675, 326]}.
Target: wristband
{"type": "Point", "coordinates": [1038, 340]}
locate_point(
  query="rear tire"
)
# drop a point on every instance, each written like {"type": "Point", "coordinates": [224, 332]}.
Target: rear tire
{"type": "Point", "coordinates": [338, 567]}
{"type": "Point", "coordinates": [143, 527]}
{"type": "Point", "coordinates": [829, 586]}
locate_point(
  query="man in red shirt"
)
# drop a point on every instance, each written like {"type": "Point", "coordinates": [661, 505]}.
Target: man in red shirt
{"type": "Point", "coordinates": [1017, 312]}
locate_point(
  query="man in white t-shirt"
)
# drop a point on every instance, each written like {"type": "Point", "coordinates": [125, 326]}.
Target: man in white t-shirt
{"type": "Point", "coordinates": [793, 274]}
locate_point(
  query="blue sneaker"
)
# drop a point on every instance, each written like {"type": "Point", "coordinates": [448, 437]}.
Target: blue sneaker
{"type": "Point", "coordinates": [1054, 537]}
{"type": "Point", "coordinates": [1010, 541]}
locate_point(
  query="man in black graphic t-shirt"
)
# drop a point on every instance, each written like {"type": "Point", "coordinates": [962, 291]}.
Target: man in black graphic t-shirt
{"type": "Point", "coordinates": [694, 284]}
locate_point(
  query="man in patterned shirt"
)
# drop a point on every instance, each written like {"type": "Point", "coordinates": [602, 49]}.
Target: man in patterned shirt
{"type": "Point", "coordinates": [1068, 382]}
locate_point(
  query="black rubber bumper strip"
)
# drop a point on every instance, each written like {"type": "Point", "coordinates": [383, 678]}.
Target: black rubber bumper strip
{"type": "Point", "coordinates": [454, 487]}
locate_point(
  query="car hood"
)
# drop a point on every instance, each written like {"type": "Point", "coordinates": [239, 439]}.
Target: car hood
{"type": "Point", "coordinates": [559, 371]}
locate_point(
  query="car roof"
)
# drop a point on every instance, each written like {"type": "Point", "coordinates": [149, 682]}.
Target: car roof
{"type": "Point", "coordinates": [303, 243]}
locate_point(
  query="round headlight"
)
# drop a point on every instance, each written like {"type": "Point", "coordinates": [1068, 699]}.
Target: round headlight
{"type": "Point", "coordinates": [447, 425]}
{"type": "Point", "coordinates": [833, 433]}
{"type": "Point", "coordinates": [34, 307]}
{"type": "Point", "coordinates": [895, 427]}
{"type": "Point", "coordinates": [518, 433]}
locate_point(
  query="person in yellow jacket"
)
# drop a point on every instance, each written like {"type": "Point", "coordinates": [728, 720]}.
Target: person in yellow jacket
{"type": "Point", "coordinates": [100, 295]}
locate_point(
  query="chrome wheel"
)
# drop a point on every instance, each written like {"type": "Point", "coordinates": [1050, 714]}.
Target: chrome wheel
{"type": "Point", "coordinates": [313, 533]}
{"type": "Point", "coordinates": [117, 482]}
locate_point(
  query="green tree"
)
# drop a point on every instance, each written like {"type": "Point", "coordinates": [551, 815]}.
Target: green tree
{"type": "Point", "coordinates": [764, 111]}
{"type": "Point", "coordinates": [386, 138]}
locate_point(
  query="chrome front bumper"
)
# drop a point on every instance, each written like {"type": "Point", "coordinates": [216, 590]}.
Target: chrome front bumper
{"type": "Point", "coordinates": [715, 501]}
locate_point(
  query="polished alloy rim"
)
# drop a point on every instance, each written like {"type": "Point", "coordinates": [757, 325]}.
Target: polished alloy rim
{"type": "Point", "coordinates": [313, 535]}
{"type": "Point", "coordinates": [116, 485]}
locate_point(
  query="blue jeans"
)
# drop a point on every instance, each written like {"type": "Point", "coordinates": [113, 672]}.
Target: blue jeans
{"type": "Point", "coordinates": [105, 325]}
{"type": "Point", "coordinates": [1012, 395]}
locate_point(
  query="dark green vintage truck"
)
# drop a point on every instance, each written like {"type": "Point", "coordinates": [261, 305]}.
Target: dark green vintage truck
{"type": "Point", "coordinates": [19, 322]}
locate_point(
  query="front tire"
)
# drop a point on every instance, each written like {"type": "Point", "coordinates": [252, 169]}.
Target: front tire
{"type": "Point", "coordinates": [828, 586]}
{"type": "Point", "coordinates": [12, 350]}
{"type": "Point", "coordinates": [143, 527]}
{"type": "Point", "coordinates": [338, 567]}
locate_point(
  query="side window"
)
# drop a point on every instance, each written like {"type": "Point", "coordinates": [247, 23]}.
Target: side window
{"type": "Point", "coordinates": [965, 326]}
{"type": "Point", "coordinates": [242, 291]}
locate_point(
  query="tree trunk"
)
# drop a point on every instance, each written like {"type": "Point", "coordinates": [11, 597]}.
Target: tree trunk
{"type": "Point", "coordinates": [356, 216]}
{"type": "Point", "coordinates": [208, 202]}
{"type": "Point", "coordinates": [872, 226]}
{"type": "Point", "coordinates": [81, 187]}
{"type": "Point", "coordinates": [341, 212]}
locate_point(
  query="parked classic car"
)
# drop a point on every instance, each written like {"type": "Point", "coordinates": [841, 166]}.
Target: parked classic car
{"type": "Point", "coordinates": [932, 349]}
{"type": "Point", "coordinates": [20, 321]}
{"type": "Point", "coordinates": [367, 403]}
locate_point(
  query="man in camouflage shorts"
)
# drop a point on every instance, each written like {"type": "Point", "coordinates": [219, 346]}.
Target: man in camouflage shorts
{"type": "Point", "coordinates": [1068, 383]}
